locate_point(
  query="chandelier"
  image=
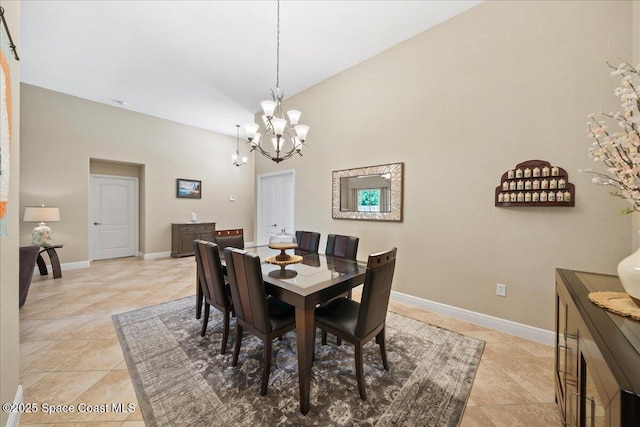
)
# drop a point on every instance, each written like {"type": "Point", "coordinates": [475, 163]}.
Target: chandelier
{"type": "Point", "coordinates": [287, 137]}
{"type": "Point", "coordinates": [236, 157]}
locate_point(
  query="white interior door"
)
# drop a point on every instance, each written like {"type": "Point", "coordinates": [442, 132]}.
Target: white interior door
{"type": "Point", "coordinates": [276, 204]}
{"type": "Point", "coordinates": [113, 216]}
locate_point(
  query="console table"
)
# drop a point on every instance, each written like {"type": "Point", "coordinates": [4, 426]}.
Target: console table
{"type": "Point", "coordinates": [597, 355]}
{"type": "Point", "coordinates": [183, 235]}
{"type": "Point", "coordinates": [55, 261]}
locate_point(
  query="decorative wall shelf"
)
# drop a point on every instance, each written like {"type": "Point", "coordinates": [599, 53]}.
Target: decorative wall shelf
{"type": "Point", "coordinates": [535, 183]}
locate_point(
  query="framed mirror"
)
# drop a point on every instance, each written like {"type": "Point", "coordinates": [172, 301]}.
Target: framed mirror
{"type": "Point", "coordinates": [370, 193]}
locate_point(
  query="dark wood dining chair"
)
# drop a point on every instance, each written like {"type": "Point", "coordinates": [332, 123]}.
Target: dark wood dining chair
{"type": "Point", "coordinates": [229, 238]}
{"type": "Point", "coordinates": [358, 323]}
{"type": "Point", "coordinates": [308, 241]}
{"type": "Point", "coordinates": [215, 290]}
{"type": "Point", "coordinates": [262, 316]}
{"type": "Point", "coordinates": [223, 238]}
{"type": "Point", "coordinates": [341, 246]}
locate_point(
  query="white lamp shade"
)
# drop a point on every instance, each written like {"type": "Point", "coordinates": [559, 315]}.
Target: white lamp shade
{"type": "Point", "coordinates": [296, 143]}
{"type": "Point", "coordinates": [268, 107]}
{"type": "Point", "coordinates": [301, 131]}
{"type": "Point", "coordinates": [294, 116]}
{"type": "Point", "coordinates": [278, 125]}
{"type": "Point", "coordinates": [41, 214]}
{"type": "Point", "coordinates": [251, 129]}
{"type": "Point", "coordinates": [234, 158]}
{"type": "Point", "coordinates": [244, 159]}
{"type": "Point", "coordinates": [274, 141]}
{"type": "Point", "coordinates": [256, 140]}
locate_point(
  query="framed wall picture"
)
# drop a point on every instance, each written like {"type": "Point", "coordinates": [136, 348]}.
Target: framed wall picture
{"type": "Point", "coordinates": [188, 188]}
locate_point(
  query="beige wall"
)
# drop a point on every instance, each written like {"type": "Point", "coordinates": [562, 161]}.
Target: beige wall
{"type": "Point", "coordinates": [61, 133]}
{"type": "Point", "coordinates": [460, 104]}
{"type": "Point", "coordinates": [9, 258]}
{"type": "Point", "coordinates": [636, 61]}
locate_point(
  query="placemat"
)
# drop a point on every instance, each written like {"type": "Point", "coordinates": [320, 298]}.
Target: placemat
{"type": "Point", "coordinates": [616, 302]}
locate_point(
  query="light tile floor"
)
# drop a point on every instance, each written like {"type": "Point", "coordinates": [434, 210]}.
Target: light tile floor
{"type": "Point", "coordinates": [70, 354]}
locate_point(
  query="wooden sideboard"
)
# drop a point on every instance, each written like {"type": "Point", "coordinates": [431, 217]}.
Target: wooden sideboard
{"type": "Point", "coordinates": [597, 355]}
{"type": "Point", "coordinates": [183, 235]}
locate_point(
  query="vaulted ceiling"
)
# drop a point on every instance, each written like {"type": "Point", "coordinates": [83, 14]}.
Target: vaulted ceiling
{"type": "Point", "coordinates": [207, 63]}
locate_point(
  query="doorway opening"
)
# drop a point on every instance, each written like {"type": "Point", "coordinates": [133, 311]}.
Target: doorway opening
{"type": "Point", "coordinates": [114, 209]}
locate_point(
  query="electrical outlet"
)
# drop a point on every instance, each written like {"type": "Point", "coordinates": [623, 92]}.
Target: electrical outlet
{"type": "Point", "coordinates": [501, 290]}
{"type": "Point", "coordinates": [232, 198]}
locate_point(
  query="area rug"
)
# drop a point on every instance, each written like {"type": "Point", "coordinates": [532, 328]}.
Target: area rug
{"type": "Point", "coordinates": [181, 379]}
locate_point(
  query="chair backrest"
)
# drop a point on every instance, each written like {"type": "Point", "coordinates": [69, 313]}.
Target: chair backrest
{"type": "Point", "coordinates": [229, 238]}
{"type": "Point", "coordinates": [247, 289]}
{"type": "Point", "coordinates": [376, 291]}
{"type": "Point", "coordinates": [308, 240]}
{"type": "Point", "coordinates": [342, 246]}
{"type": "Point", "coordinates": [210, 271]}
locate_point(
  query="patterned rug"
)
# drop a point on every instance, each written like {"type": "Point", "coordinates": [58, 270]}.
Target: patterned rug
{"type": "Point", "coordinates": [181, 379]}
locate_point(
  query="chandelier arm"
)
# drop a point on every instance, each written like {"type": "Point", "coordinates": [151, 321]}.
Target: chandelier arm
{"type": "Point", "coordinates": [277, 158]}
{"type": "Point", "coordinates": [290, 132]}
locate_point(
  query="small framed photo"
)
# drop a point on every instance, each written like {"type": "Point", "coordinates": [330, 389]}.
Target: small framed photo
{"type": "Point", "coordinates": [188, 189]}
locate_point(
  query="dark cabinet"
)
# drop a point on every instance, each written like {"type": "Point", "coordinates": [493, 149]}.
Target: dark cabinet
{"type": "Point", "coordinates": [183, 235]}
{"type": "Point", "coordinates": [597, 355]}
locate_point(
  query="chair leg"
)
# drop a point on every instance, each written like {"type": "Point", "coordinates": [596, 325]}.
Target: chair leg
{"type": "Point", "coordinates": [236, 348]}
{"type": "Point", "coordinates": [324, 337]}
{"type": "Point", "coordinates": [206, 319]}
{"type": "Point", "coordinates": [383, 349]}
{"type": "Point", "coordinates": [267, 367]}
{"type": "Point", "coordinates": [225, 333]}
{"type": "Point", "coordinates": [359, 372]}
{"type": "Point", "coordinates": [349, 294]}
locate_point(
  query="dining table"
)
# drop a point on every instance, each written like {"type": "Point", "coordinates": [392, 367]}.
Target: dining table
{"type": "Point", "coordinates": [317, 278]}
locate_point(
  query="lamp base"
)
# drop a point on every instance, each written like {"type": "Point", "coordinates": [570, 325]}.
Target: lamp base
{"type": "Point", "coordinates": [42, 235]}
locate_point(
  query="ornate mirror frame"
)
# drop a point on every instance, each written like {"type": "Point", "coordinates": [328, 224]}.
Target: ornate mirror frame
{"type": "Point", "coordinates": [396, 172]}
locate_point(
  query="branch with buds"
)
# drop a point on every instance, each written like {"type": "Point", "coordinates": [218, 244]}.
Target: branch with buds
{"type": "Point", "coordinates": [619, 151]}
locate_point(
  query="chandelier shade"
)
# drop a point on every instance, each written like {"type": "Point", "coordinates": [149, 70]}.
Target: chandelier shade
{"type": "Point", "coordinates": [236, 159]}
{"type": "Point", "coordinates": [287, 136]}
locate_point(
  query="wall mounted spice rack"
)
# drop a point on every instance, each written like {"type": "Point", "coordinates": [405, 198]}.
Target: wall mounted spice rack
{"type": "Point", "coordinates": [535, 183]}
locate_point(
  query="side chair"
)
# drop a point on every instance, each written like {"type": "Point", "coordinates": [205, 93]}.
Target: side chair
{"type": "Point", "coordinates": [358, 323]}
{"type": "Point", "coordinates": [308, 241]}
{"type": "Point", "coordinates": [262, 316]}
{"type": "Point", "coordinates": [341, 246]}
{"type": "Point", "coordinates": [229, 238]}
{"type": "Point", "coordinates": [223, 238]}
{"type": "Point", "coordinates": [214, 289]}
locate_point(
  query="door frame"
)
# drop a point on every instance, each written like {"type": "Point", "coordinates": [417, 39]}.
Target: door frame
{"type": "Point", "coordinates": [259, 213]}
{"type": "Point", "coordinates": [136, 205]}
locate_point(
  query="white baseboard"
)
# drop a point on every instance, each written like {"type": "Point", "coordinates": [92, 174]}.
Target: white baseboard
{"type": "Point", "coordinates": [14, 417]}
{"type": "Point", "coordinates": [73, 265]}
{"type": "Point", "coordinates": [507, 326]}
{"type": "Point", "coordinates": [154, 255]}
{"type": "Point", "coordinates": [64, 267]}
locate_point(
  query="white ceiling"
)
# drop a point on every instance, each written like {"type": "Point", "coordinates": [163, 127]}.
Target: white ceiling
{"type": "Point", "coordinates": [207, 63]}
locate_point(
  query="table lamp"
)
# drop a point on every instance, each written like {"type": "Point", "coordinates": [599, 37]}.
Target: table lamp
{"type": "Point", "coordinates": [42, 214]}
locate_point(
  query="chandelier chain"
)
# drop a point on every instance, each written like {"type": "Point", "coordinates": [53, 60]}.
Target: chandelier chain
{"type": "Point", "coordinates": [288, 136]}
{"type": "Point", "coordinates": [278, 49]}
